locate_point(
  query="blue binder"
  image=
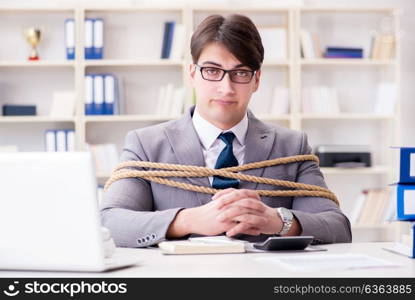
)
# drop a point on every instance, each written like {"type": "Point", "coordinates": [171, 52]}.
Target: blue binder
{"type": "Point", "coordinates": [406, 202]}
{"type": "Point", "coordinates": [167, 39]}
{"type": "Point", "coordinates": [407, 165]}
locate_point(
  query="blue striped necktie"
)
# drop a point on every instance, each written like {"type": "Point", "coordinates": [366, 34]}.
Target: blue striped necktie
{"type": "Point", "coordinates": [226, 159]}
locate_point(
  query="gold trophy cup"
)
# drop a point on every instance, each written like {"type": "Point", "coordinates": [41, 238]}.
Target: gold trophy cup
{"type": "Point", "coordinates": [33, 38]}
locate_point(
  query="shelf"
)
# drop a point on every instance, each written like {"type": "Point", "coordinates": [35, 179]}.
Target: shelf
{"type": "Point", "coordinates": [239, 9]}
{"type": "Point", "coordinates": [346, 62]}
{"type": "Point", "coordinates": [34, 119]}
{"type": "Point", "coordinates": [133, 62]}
{"type": "Point", "coordinates": [129, 118]}
{"type": "Point", "coordinates": [346, 9]}
{"type": "Point", "coordinates": [40, 63]}
{"type": "Point", "coordinates": [347, 116]}
{"type": "Point", "coordinates": [134, 8]}
{"type": "Point", "coordinates": [355, 171]}
{"type": "Point", "coordinates": [36, 9]}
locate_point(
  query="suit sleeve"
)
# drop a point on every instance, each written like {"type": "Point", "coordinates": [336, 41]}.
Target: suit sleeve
{"type": "Point", "coordinates": [127, 208]}
{"type": "Point", "coordinates": [319, 217]}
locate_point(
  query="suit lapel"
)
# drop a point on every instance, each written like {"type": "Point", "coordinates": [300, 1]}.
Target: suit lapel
{"type": "Point", "coordinates": [259, 143]}
{"type": "Point", "coordinates": [188, 150]}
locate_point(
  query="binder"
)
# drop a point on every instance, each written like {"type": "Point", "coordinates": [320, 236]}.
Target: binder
{"type": "Point", "coordinates": [60, 141]}
{"type": "Point", "coordinates": [109, 96]}
{"type": "Point", "coordinates": [98, 39]}
{"type": "Point", "coordinates": [178, 42]}
{"type": "Point", "coordinates": [70, 38]}
{"type": "Point", "coordinates": [89, 95]}
{"type": "Point", "coordinates": [167, 39]}
{"type": "Point", "coordinates": [406, 202]}
{"type": "Point", "coordinates": [50, 141]}
{"type": "Point", "coordinates": [98, 101]}
{"type": "Point", "coordinates": [89, 24]}
{"type": "Point", "coordinates": [70, 140]}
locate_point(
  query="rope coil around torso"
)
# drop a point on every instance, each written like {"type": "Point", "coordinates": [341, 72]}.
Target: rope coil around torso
{"type": "Point", "coordinates": [123, 170]}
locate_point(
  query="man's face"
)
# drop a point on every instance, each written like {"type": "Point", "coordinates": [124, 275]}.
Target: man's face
{"type": "Point", "coordinates": [223, 103]}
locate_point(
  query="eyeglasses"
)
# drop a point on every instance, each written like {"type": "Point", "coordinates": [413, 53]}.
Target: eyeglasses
{"type": "Point", "coordinates": [217, 74]}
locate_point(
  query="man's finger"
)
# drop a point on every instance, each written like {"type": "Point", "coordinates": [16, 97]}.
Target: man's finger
{"type": "Point", "coordinates": [250, 203]}
{"type": "Point", "coordinates": [235, 196]}
{"type": "Point", "coordinates": [243, 228]}
{"type": "Point", "coordinates": [222, 192]}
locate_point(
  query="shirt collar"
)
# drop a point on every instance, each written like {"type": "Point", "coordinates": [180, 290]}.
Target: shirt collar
{"type": "Point", "coordinates": [208, 132]}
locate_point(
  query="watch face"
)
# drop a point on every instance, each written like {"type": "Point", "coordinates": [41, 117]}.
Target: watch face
{"type": "Point", "coordinates": [287, 214]}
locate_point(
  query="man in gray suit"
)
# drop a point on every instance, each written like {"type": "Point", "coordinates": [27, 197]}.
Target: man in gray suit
{"type": "Point", "coordinates": [220, 132]}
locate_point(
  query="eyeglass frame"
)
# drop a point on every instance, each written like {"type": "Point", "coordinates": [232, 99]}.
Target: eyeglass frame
{"type": "Point", "coordinates": [224, 73]}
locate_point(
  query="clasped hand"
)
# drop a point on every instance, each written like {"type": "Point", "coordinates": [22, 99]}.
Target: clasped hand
{"type": "Point", "coordinates": [236, 211]}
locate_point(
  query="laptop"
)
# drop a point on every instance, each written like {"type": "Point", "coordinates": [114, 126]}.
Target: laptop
{"type": "Point", "coordinates": [49, 215]}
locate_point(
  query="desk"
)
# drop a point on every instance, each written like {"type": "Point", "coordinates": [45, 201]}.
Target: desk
{"type": "Point", "coordinates": [152, 263]}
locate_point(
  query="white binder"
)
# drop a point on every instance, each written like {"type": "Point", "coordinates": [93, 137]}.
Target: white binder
{"type": "Point", "coordinates": [70, 38]}
{"type": "Point", "coordinates": [50, 141]}
{"type": "Point", "coordinates": [109, 95]}
{"type": "Point", "coordinates": [98, 39]}
{"type": "Point", "coordinates": [70, 140]}
{"type": "Point", "coordinates": [89, 95]}
{"type": "Point", "coordinates": [60, 141]}
{"type": "Point", "coordinates": [99, 94]}
{"type": "Point", "coordinates": [89, 23]}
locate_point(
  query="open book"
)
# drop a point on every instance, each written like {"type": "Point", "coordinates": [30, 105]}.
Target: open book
{"type": "Point", "coordinates": [203, 245]}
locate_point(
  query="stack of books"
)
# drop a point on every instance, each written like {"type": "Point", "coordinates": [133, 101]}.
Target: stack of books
{"type": "Point", "coordinates": [383, 47]}
{"type": "Point", "coordinates": [59, 140]}
{"type": "Point", "coordinates": [343, 52]}
{"type": "Point", "coordinates": [173, 41]}
{"type": "Point", "coordinates": [102, 95]}
{"type": "Point", "coordinates": [373, 207]}
{"type": "Point", "coordinates": [310, 45]}
{"type": "Point", "coordinates": [94, 38]}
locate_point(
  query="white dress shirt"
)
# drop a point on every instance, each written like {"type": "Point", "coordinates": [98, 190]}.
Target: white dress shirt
{"type": "Point", "coordinates": [213, 145]}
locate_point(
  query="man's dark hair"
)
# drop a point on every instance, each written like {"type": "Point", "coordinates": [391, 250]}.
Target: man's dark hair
{"type": "Point", "coordinates": [236, 32]}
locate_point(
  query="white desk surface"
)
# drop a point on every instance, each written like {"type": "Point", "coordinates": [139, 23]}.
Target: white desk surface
{"type": "Point", "coordinates": [152, 263]}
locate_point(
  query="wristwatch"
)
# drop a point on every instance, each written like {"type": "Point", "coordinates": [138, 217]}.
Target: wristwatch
{"type": "Point", "coordinates": [287, 220]}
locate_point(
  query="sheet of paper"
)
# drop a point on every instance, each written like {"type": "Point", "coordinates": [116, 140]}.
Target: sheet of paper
{"type": "Point", "coordinates": [323, 262]}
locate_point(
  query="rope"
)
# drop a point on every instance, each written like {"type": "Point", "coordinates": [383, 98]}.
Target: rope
{"type": "Point", "coordinates": [174, 170]}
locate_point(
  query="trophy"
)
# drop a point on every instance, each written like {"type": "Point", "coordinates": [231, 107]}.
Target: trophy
{"type": "Point", "coordinates": [33, 38]}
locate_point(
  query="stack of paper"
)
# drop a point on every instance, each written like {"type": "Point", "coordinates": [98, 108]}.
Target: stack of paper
{"type": "Point", "coordinates": [203, 245]}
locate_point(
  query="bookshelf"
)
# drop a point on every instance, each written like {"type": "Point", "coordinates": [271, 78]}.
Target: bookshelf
{"type": "Point", "coordinates": [136, 61]}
